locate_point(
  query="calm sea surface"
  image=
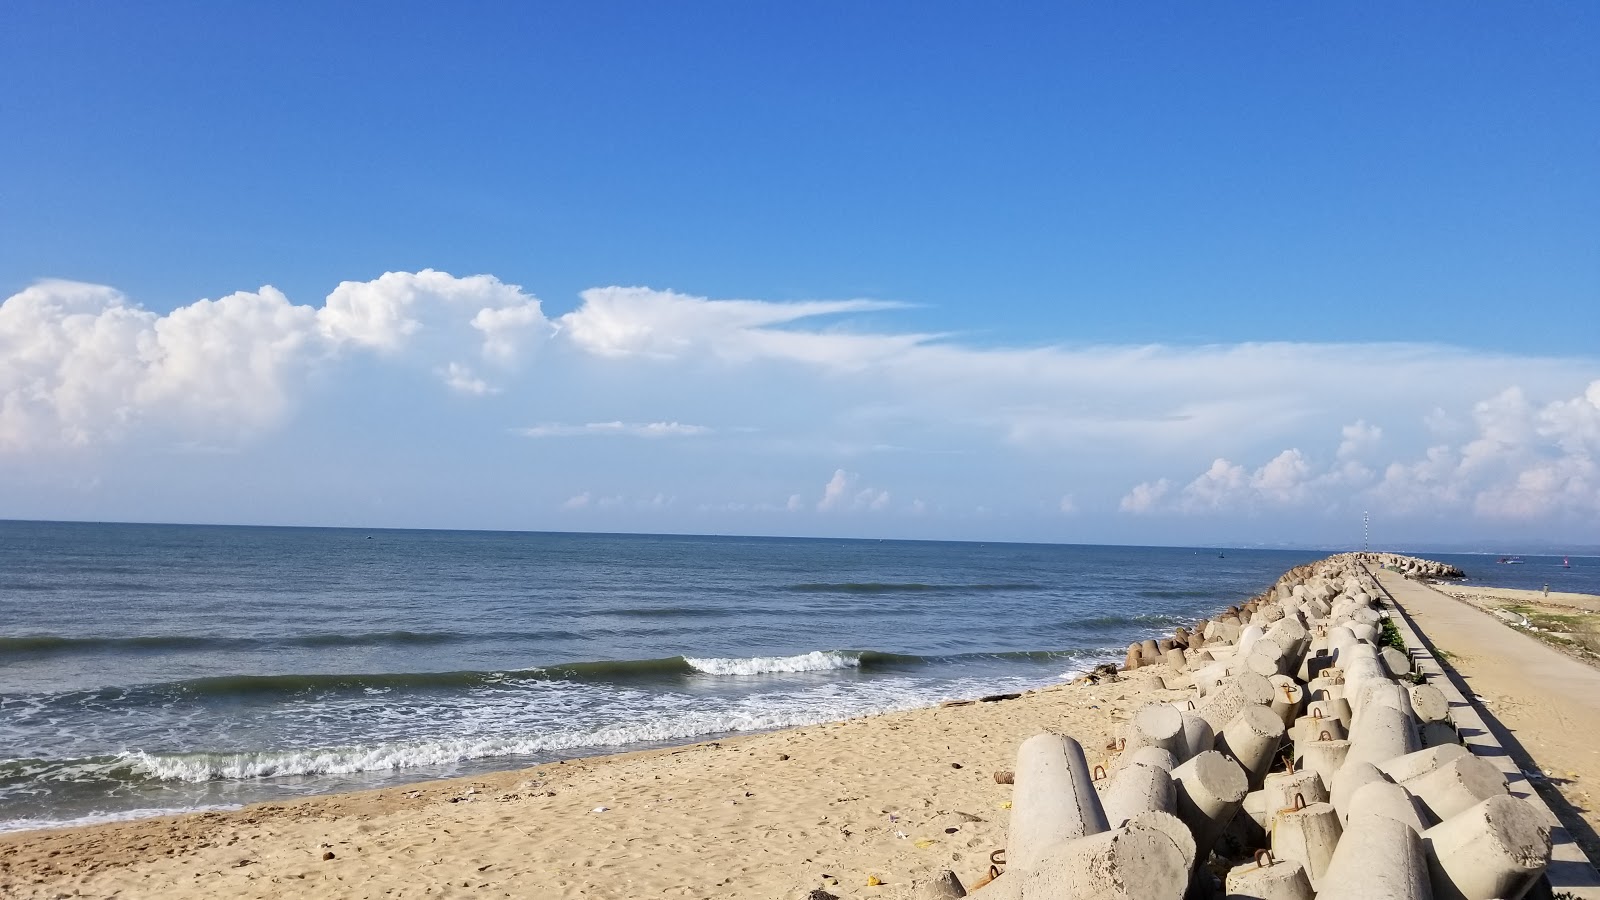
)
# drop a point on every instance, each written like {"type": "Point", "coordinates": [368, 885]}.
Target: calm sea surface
{"type": "Point", "coordinates": [148, 668]}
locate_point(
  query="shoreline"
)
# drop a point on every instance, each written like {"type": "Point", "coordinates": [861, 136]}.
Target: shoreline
{"type": "Point", "coordinates": [872, 806]}
{"type": "Point", "coordinates": [744, 809]}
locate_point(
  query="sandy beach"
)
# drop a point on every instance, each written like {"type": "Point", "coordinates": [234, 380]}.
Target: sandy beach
{"type": "Point", "coordinates": [892, 798]}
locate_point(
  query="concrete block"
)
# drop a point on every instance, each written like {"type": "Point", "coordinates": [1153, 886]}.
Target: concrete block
{"type": "Point", "coordinates": [1405, 768]}
{"type": "Point", "coordinates": [1172, 827]}
{"type": "Point", "coordinates": [1283, 879]}
{"type": "Point", "coordinates": [1135, 862]}
{"type": "Point", "coordinates": [1496, 849]}
{"type": "Point", "coordinates": [1437, 734]}
{"type": "Point", "coordinates": [1241, 690]}
{"type": "Point", "coordinates": [1352, 776]}
{"type": "Point", "coordinates": [1252, 738]}
{"type": "Point", "coordinates": [1377, 859]}
{"type": "Point", "coordinates": [1211, 788]}
{"type": "Point", "coordinates": [1456, 786]}
{"type": "Point", "coordinates": [1381, 733]}
{"type": "Point", "coordinates": [1429, 703]}
{"type": "Point", "coordinates": [1137, 788]}
{"type": "Point", "coordinates": [1391, 801]}
{"type": "Point", "coordinates": [1198, 737]}
{"type": "Point", "coordinates": [1285, 790]}
{"type": "Point", "coordinates": [1321, 756]}
{"type": "Point", "coordinates": [1397, 662]}
{"type": "Point", "coordinates": [1154, 725]}
{"type": "Point", "coordinates": [1287, 699]}
{"type": "Point", "coordinates": [1309, 835]}
{"type": "Point", "coordinates": [1053, 800]}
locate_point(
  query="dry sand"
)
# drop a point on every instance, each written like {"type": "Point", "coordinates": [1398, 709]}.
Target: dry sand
{"type": "Point", "coordinates": [895, 797]}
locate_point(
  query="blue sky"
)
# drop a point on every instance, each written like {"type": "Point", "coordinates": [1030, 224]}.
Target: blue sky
{"type": "Point", "coordinates": [1164, 274]}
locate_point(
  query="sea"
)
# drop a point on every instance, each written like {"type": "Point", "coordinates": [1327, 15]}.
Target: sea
{"type": "Point", "coordinates": [149, 669]}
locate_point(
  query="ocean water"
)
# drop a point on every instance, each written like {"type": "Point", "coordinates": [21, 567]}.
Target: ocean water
{"type": "Point", "coordinates": [150, 668]}
{"type": "Point", "coordinates": [1578, 574]}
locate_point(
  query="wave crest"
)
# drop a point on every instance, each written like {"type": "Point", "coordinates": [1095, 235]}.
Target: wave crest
{"type": "Point", "coordinates": [815, 661]}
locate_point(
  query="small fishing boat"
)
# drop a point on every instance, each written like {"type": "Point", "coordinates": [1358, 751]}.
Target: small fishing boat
{"type": "Point", "coordinates": [1510, 560]}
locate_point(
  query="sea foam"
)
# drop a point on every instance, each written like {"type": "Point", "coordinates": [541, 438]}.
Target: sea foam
{"type": "Point", "coordinates": [815, 661]}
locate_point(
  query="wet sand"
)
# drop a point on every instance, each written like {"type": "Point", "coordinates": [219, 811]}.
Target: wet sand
{"type": "Point", "coordinates": [894, 798]}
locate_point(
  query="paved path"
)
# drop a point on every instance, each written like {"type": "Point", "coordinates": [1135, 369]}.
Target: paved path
{"type": "Point", "coordinates": [1548, 701]}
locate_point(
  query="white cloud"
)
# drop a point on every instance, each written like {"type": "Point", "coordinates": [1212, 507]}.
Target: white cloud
{"type": "Point", "coordinates": [1144, 496]}
{"type": "Point", "coordinates": [834, 491]}
{"type": "Point", "coordinates": [841, 492]}
{"type": "Point", "coordinates": [1523, 461]}
{"type": "Point", "coordinates": [1068, 506]}
{"type": "Point", "coordinates": [1360, 439]}
{"type": "Point", "coordinates": [628, 429]}
{"type": "Point", "coordinates": [577, 501]}
{"type": "Point", "coordinates": [622, 322]}
{"type": "Point", "coordinates": [81, 364]}
{"type": "Point", "coordinates": [794, 504]}
{"type": "Point", "coordinates": [459, 378]}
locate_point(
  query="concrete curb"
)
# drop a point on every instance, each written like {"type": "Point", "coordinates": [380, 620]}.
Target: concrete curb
{"type": "Point", "coordinates": [1570, 870]}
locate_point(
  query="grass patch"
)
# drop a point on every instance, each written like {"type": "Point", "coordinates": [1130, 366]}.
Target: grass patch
{"type": "Point", "coordinates": [1389, 635]}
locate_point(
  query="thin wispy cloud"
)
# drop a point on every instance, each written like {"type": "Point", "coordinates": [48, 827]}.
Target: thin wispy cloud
{"type": "Point", "coordinates": [607, 429]}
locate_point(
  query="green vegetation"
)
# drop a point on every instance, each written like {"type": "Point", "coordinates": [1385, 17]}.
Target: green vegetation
{"type": "Point", "coordinates": [1579, 632]}
{"type": "Point", "coordinates": [1389, 636]}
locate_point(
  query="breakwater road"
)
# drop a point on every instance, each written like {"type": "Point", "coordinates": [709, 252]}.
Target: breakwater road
{"type": "Point", "coordinates": [1548, 701]}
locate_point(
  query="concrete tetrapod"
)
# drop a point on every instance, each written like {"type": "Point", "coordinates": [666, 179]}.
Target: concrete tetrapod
{"type": "Point", "coordinates": [1429, 703]}
{"type": "Point", "coordinates": [1210, 789]}
{"type": "Point", "coordinates": [1437, 734]}
{"type": "Point", "coordinates": [1154, 725]}
{"type": "Point", "coordinates": [1287, 698]}
{"type": "Point", "coordinates": [1137, 788]}
{"type": "Point", "coordinates": [1053, 799]}
{"type": "Point", "coordinates": [1311, 728]}
{"type": "Point", "coordinates": [1308, 834]}
{"type": "Point", "coordinates": [1380, 734]}
{"type": "Point", "coordinates": [1391, 801]}
{"type": "Point", "coordinates": [1336, 709]}
{"type": "Point", "coordinates": [1351, 777]}
{"type": "Point", "coordinates": [1153, 756]}
{"type": "Point", "coordinates": [1322, 757]}
{"type": "Point", "coordinates": [1138, 861]}
{"type": "Point", "coordinates": [1197, 736]}
{"type": "Point", "coordinates": [1252, 738]}
{"type": "Point", "coordinates": [1377, 859]}
{"type": "Point", "coordinates": [1456, 786]}
{"type": "Point", "coordinates": [1497, 849]}
{"type": "Point", "coordinates": [1283, 879]}
{"type": "Point", "coordinates": [1225, 700]}
{"type": "Point", "coordinates": [1282, 787]}
{"type": "Point", "coordinates": [1396, 661]}
{"type": "Point", "coordinates": [1172, 827]}
{"type": "Point", "coordinates": [1405, 768]}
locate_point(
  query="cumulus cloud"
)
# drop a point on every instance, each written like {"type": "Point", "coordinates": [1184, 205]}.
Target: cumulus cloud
{"type": "Point", "coordinates": [1068, 505]}
{"type": "Point", "coordinates": [1360, 439]}
{"type": "Point", "coordinates": [577, 501]}
{"type": "Point", "coordinates": [459, 378]}
{"type": "Point", "coordinates": [841, 492]}
{"type": "Point", "coordinates": [81, 364]}
{"type": "Point", "coordinates": [628, 429]}
{"type": "Point", "coordinates": [1521, 461]}
{"type": "Point", "coordinates": [1145, 496]}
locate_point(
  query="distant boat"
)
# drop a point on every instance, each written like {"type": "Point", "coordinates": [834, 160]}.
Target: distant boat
{"type": "Point", "coordinates": [1510, 560]}
{"type": "Point", "coordinates": [1566, 563]}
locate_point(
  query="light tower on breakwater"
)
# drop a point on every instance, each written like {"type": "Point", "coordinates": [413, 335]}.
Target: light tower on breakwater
{"type": "Point", "coordinates": [1366, 531]}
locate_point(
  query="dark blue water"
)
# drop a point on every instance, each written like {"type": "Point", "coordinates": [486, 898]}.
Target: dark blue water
{"type": "Point", "coordinates": [1577, 574]}
{"type": "Point", "coordinates": [147, 667]}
